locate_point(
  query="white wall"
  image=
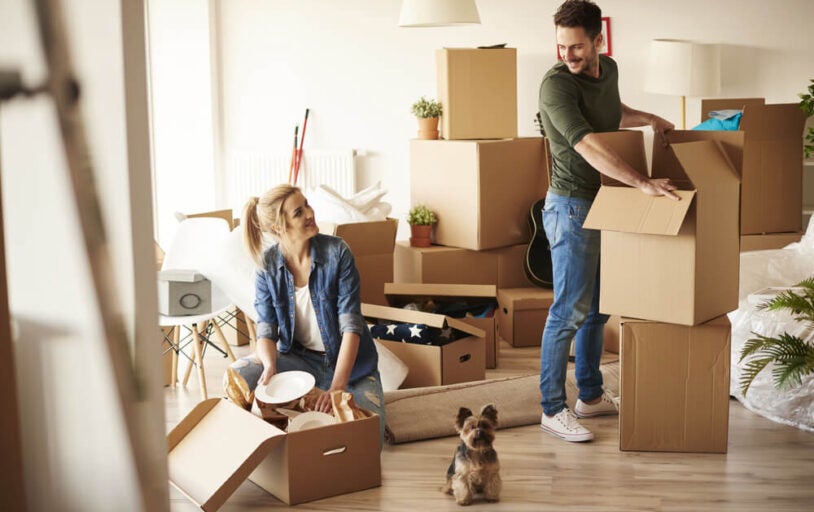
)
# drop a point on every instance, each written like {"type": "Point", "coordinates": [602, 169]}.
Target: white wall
{"type": "Point", "coordinates": [359, 72]}
{"type": "Point", "coordinates": [75, 452]}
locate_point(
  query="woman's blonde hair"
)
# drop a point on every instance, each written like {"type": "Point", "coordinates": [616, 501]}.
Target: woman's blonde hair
{"type": "Point", "coordinates": [264, 214]}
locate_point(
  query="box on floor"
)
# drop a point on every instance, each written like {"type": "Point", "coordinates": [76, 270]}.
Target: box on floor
{"type": "Point", "coordinates": [399, 294]}
{"type": "Point", "coordinates": [674, 386]}
{"type": "Point", "coordinates": [462, 360]}
{"type": "Point", "coordinates": [481, 190]}
{"type": "Point", "coordinates": [502, 267]}
{"type": "Point", "coordinates": [522, 314]}
{"type": "Point", "coordinates": [478, 89]}
{"type": "Point", "coordinates": [372, 246]}
{"type": "Point", "coordinates": [666, 260]}
{"type": "Point", "coordinates": [218, 445]}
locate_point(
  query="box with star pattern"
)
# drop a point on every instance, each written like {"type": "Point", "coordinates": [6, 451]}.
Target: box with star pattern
{"type": "Point", "coordinates": [461, 360]}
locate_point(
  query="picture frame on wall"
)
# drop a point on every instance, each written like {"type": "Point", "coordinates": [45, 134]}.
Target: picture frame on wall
{"type": "Point", "coordinates": [606, 37]}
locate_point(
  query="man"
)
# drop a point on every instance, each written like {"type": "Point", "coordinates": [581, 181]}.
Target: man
{"type": "Point", "coordinates": [579, 97]}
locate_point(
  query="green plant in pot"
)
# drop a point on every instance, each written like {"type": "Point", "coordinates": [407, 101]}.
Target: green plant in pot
{"type": "Point", "coordinates": [427, 112]}
{"type": "Point", "coordinates": [421, 220]}
{"type": "Point", "coordinates": [791, 356]}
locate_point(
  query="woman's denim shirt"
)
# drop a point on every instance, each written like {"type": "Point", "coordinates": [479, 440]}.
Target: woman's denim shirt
{"type": "Point", "coordinates": [334, 287]}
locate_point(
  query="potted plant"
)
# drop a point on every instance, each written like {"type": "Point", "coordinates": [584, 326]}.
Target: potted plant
{"type": "Point", "coordinates": [421, 220]}
{"type": "Point", "coordinates": [790, 355]}
{"type": "Point", "coordinates": [427, 112]}
{"type": "Point", "coordinates": [807, 106]}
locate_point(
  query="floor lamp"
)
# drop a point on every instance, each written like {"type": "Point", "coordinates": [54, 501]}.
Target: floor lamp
{"type": "Point", "coordinates": [683, 68]}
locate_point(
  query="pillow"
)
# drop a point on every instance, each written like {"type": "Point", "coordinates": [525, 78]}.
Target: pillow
{"type": "Point", "coordinates": [727, 120]}
{"type": "Point", "coordinates": [392, 370]}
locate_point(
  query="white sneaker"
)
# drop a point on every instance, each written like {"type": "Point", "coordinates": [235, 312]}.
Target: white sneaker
{"type": "Point", "coordinates": [606, 405]}
{"type": "Point", "coordinates": [564, 425]}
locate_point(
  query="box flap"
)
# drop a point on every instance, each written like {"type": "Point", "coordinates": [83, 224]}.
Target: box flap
{"type": "Point", "coordinates": [365, 238]}
{"type": "Point", "coordinates": [419, 317]}
{"type": "Point", "coordinates": [440, 291]}
{"type": "Point", "coordinates": [666, 165]}
{"type": "Point", "coordinates": [629, 145]}
{"type": "Point", "coordinates": [207, 461]}
{"type": "Point", "coordinates": [711, 105]}
{"type": "Point", "coordinates": [180, 275]}
{"type": "Point", "coordinates": [706, 164]}
{"type": "Point", "coordinates": [631, 211]}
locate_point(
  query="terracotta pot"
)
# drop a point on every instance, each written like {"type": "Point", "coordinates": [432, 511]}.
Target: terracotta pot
{"type": "Point", "coordinates": [420, 236]}
{"type": "Point", "coordinates": [427, 128]}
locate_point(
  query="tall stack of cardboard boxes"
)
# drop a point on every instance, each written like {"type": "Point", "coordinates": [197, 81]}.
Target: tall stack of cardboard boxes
{"type": "Point", "coordinates": [481, 180]}
{"type": "Point", "coordinates": [670, 270]}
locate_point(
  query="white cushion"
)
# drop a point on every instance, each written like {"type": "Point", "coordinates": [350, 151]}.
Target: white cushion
{"type": "Point", "coordinates": [392, 370]}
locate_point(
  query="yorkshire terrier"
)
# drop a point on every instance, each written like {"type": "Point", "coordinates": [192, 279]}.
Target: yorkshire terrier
{"type": "Point", "coordinates": [475, 468]}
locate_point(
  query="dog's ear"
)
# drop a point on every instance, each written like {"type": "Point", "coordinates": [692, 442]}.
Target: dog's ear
{"type": "Point", "coordinates": [490, 413]}
{"type": "Point", "coordinates": [463, 414]}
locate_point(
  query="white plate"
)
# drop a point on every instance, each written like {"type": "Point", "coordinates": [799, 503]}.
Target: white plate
{"type": "Point", "coordinates": [285, 387]}
{"type": "Point", "coordinates": [311, 419]}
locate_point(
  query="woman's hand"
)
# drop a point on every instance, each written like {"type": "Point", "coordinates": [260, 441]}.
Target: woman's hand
{"type": "Point", "coordinates": [268, 373]}
{"type": "Point", "coordinates": [323, 403]}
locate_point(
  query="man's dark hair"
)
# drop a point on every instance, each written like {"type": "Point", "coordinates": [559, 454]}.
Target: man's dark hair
{"type": "Point", "coordinates": [580, 13]}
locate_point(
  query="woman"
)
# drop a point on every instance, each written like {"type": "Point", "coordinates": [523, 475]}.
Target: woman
{"type": "Point", "coordinates": [308, 305]}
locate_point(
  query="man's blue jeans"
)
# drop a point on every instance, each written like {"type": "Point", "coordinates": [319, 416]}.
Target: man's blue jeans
{"type": "Point", "coordinates": [575, 311]}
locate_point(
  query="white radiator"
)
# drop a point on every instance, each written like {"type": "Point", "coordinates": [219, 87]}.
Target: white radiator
{"type": "Point", "coordinates": [252, 173]}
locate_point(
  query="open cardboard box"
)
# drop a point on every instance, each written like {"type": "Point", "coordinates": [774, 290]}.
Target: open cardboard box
{"type": "Point", "coordinates": [399, 294]}
{"type": "Point", "coordinates": [462, 360]}
{"type": "Point", "coordinates": [218, 445]}
{"type": "Point", "coordinates": [666, 260]}
{"type": "Point", "coordinates": [372, 245]}
{"type": "Point", "coordinates": [674, 386]}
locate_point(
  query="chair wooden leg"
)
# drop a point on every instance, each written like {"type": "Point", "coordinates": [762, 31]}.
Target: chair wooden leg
{"type": "Point", "coordinates": [222, 340]}
{"type": "Point", "coordinates": [252, 333]}
{"type": "Point", "coordinates": [176, 338]}
{"type": "Point", "coordinates": [188, 371]}
{"type": "Point", "coordinates": [198, 346]}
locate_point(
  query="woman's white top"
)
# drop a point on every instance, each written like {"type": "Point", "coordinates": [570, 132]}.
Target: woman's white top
{"type": "Point", "coordinates": [306, 329]}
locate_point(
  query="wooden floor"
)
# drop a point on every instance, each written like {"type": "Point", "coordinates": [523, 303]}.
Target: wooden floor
{"type": "Point", "coordinates": [768, 467]}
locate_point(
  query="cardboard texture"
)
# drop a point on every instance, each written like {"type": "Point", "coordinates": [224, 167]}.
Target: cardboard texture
{"type": "Point", "coordinates": [772, 159]}
{"type": "Point", "coordinates": [462, 360]}
{"type": "Point", "coordinates": [481, 190]}
{"type": "Point", "coordinates": [399, 294]}
{"type": "Point", "coordinates": [611, 335]}
{"type": "Point", "coordinates": [522, 315]}
{"type": "Point", "coordinates": [218, 445]}
{"type": "Point", "coordinates": [666, 260]}
{"type": "Point", "coordinates": [478, 89]}
{"type": "Point", "coordinates": [771, 241]}
{"type": "Point", "coordinates": [440, 264]}
{"type": "Point", "coordinates": [675, 386]}
{"type": "Point", "coordinates": [372, 245]}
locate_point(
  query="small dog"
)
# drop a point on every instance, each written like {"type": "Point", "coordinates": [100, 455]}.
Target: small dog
{"type": "Point", "coordinates": [475, 468]}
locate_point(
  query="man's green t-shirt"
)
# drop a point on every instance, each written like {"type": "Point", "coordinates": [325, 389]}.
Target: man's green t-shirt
{"type": "Point", "coordinates": [571, 107]}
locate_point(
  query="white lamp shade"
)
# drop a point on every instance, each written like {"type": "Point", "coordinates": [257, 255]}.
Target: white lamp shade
{"type": "Point", "coordinates": [438, 13]}
{"type": "Point", "coordinates": [683, 68]}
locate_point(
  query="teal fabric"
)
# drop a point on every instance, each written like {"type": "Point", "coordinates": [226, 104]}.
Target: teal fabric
{"type": "Point", "coordinates": [721, 122]}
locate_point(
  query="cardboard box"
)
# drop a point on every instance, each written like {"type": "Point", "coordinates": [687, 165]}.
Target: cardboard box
{"type": "Point", "coordinates": [218, 445]}
{"type": "Point", "coordinates": [771, 173]}
{"type": "Point", "coordinates": [481, 190]}
{"type": "Point", "coordinates": [771, 241]}
{"type": "Point", "coordinates": [502, 267]}
{"type": "Point", "coordinates": [478, 90]}
{"type": "Point", "coordinates": [674, 386]}
{"type": "Point", "coordinates": [463, 360]}
{"type": "Point", "coordinates": [399, 294]}
{"type": "Point", "coordinates": [523, 313]}
{"type": "Point", "coordinates": [666, 260]}
{"type": "Point", "coordinates": [183, 292]}
{"type": "Point", "coordinates": [372, 245]}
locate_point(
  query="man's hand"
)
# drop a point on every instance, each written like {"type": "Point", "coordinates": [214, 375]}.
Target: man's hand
{"type": "Point", "coordinates": [660, 187]}
{"type": "Point", "coordinates": [661, 126]}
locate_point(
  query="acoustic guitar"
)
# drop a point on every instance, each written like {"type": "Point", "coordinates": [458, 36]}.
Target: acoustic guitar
{"type": "Point", "coordinates": [537, 263]}
{"type": "Point", "coordinates": [538, 254]}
